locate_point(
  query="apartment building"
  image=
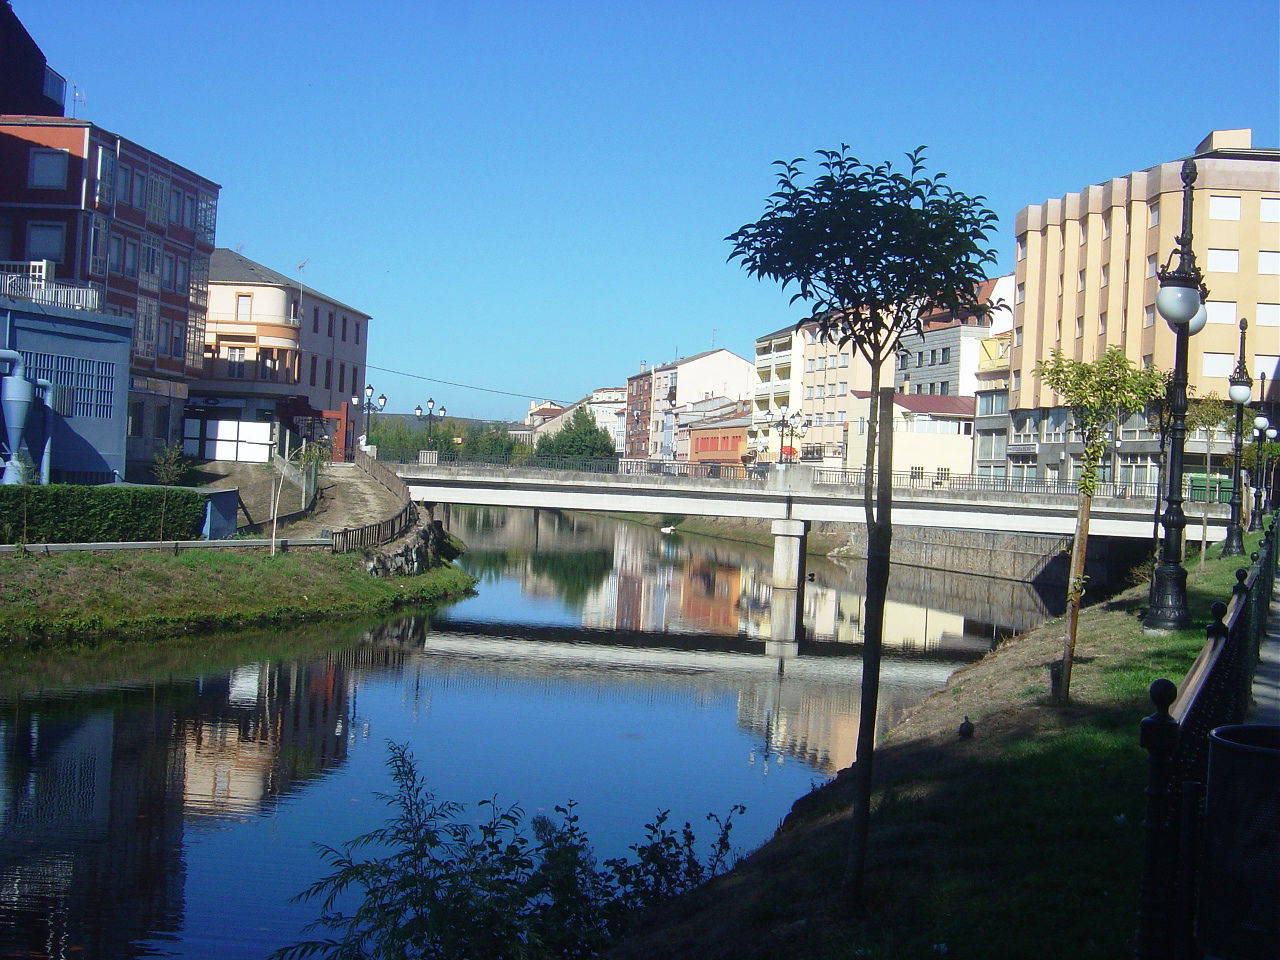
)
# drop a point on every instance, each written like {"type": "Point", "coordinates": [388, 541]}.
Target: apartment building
{"type": "Point", "coordinates": [991, 414]}
{"type": "Point", "coordinates": [1085, 280]}
{"type": "Point", "coordinates": [654, 394]}
{"type": "Point", "coordinates": [606, 406]}
{"type": "Point", "coordinates": [932, 435]}
{"type": "Point", "coordinates": [943, 359]}
{"type": "Point", "coordinates": [276, 351]}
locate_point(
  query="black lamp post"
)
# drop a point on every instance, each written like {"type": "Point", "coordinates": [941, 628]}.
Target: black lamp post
{"type": "Point", "coordinates": [429, 417]}
{"type": "Point", "coordinates": [370, 407]}
{"type": "Point", "coordinates": [794, 425]}
{"type": "Point", "coordinates": [1260, 425]}
{"type": "Point", "coordinates": [1240, 391]}
{"type": "Point", "coordinates": [1180, 300]}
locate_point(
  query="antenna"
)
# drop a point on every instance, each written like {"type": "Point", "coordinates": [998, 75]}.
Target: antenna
{"type": "Point", "coordinates": [77, 97]}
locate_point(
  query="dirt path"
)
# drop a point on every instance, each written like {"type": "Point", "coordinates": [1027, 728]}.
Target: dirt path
{"type": "Point", "coordinates": [348, 497]}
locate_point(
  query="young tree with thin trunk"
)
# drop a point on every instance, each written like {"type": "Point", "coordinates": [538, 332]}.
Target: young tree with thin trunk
{"type": "Point", "coordinates": [870, 251]}
{"type": "Point", "coordinates": [1209, 414]}
{"type": "Point", "coordinates": [1100, 393]}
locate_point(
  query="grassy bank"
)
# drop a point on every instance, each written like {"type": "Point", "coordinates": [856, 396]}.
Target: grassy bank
{"type": "Point", "coordinates": [78, 596]}
{"type": "Point", "coordinates": [1023, 842]}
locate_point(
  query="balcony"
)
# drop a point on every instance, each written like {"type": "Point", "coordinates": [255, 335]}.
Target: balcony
{"type": "Point", "coordinates": [34, 281]}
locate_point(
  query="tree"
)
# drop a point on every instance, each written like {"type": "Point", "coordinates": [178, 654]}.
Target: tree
{"type": "Point", "coordinates": [870, 251]}
{"type": "Point", "coordinates": [1209, 414]}
{"type": "Point", "coordinates": [1100, 393]}
{"type": "Point", "coordinates": [580, 437]}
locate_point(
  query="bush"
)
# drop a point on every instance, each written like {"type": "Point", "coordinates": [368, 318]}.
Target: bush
{"type": "Point", "coordinates": [448, 889]}
{"type": "Point", "coordinates": [62, 513]}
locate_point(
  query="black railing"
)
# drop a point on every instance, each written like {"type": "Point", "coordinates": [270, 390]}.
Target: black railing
{"type": "Point", "coordinates": [1215, 692]}
{"type": "Point", "coordinates": [384, 531]}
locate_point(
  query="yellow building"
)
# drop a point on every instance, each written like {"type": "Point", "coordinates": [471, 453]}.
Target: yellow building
{"type": "Point", "coordinates": [1085, 280]}
{"type": "Point", "coordinates": [932, 435]}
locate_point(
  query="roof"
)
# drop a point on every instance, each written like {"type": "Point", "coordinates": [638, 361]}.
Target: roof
{"type": "Point", "coordinates": [697, 356]}
{"type": "Point", "coordinates": [929, 403]}
{"type": "Point", "coordinates": [227, 266]}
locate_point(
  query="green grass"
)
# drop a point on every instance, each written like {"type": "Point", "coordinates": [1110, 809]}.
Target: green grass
{"type": "Point", "coordinates": [71, 597]}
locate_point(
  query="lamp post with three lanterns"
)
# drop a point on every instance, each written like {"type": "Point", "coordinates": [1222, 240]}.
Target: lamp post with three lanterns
{"type": "Point", "coordinates": [1240, 390]}
{"type": "Point", "coordinates": [1262, 431]}
{"type": "Point", "coordinates": [429, 416]}
{"type": "Point", "coordinates": [370, 407]}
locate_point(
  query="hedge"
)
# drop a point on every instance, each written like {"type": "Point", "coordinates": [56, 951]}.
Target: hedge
{"type": "Point", "coordinates": [62, 513]}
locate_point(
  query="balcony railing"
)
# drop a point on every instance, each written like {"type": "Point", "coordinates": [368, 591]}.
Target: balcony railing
{"type": "Point", "coordinates": [34, 281]}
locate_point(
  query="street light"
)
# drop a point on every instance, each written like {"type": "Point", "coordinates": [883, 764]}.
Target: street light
{"type": "Point", "coordinates": [1240, 392]}
{"type": "Point", "coordinates": [1260, 432]}
{"type": "Point", "coordinates": [794, 425]}
{"type": "Point", "coordinates": [1180, 300]}
{"type": "Point", "coordinates": [430, 417]}
{"type": "Point", "coordinates": [369, 407]}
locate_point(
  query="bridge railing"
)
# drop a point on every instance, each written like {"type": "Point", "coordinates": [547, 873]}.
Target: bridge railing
{"type": "Point", "coordinates": [1215, 692]}
{"type": "Point", "coordinates": [1194, 488]}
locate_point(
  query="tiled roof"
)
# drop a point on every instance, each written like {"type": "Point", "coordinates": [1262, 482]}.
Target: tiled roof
{"type": "Point", "coordinates": [929, 403]}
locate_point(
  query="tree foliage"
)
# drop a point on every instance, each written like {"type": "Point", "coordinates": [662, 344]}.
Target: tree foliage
{"type": "Point", "coordinates": [580, 437]}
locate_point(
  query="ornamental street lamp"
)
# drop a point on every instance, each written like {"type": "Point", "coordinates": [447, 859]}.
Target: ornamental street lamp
{"type": "Point", "coordinates": [369, 407]}
{"type": "Point", "coordinates": [1240, 391]}
{"type": "Point", "coordinates": [795, 426]}
{"type": "Point", "coordinates": [429, 417]}
{"type": "Point", "coordinates": [1180, 300]}
{"type": "Point", "coordinates": [1260, 431]}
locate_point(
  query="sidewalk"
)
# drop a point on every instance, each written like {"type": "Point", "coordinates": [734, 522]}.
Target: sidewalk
{"type": "Point", "coordinates": [1266, 682]}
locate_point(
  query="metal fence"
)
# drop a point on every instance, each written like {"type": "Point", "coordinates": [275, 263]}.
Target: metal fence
{"type": "Point", "coordinates": [384, 531]}
{"type": "Point", "coordinates": [1215, 692]}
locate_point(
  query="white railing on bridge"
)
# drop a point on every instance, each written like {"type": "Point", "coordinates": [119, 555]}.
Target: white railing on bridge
{"type": "Point", "coordinates": [33, 280]}
{"type": "Point", "coordinates": [1219, 489]}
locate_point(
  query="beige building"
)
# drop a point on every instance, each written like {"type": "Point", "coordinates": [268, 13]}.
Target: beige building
{"type": "Point", "coordinates": [1085, 280]}
{"type": "Point", "coordinates": [932, 435]}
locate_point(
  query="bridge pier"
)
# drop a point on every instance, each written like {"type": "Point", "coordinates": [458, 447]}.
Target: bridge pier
{"type": "Point", "coordinates": [786, 608]}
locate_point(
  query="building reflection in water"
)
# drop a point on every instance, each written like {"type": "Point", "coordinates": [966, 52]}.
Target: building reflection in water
{"type": "Point", "coordinates": [93, 799]}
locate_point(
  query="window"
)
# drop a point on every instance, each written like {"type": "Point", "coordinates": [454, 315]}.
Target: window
{"type": "Point", "coordinates": [313, 371]}
{"type": "Point", "coordinates": [139, 188]}
{"type": "Point", "coordinates": [1079, 327]}
{"type": "Point", "coordinates": [48, 170]}
{"type": "Point", "coordinates": [330, 333]}
{"type": "Point", "coordinates": [1269, 314]}
{"type": "Point", "coordinates": [1105, 276]}
{"type": "Point", "coordinates": [1269, 261]}
{"type": "Point", "coordinates": [1154, 211]}
{"type": "Point", "coordinates": [917, 473]}
{"type": "Point", "coordinates": [235, 363]}
{"type": "Point", "coordinates": [134, 423]}
{"type": "Point", "coordinates": [1102, 323]}
{"type": "Point", "coordinates": [357, 326]}
{"type": "Point", "coordinates": [992, 403]}
{"type": "Point", "coordinates": [1221, 311]}
{"type": "Point", "coordinates": [115, 254]}
{"type": "Point", "coordinates": [1151, 265]}
{"type": "Point", "coordinates": [944, 388]}
{"type": "Point", "coordinates": [1084, 232]}
{"type": "Point", "coordinates": [808, 365]}
{"type": "Point", "coordinates": [1055, 429]}
{"type": "Point", "coordinates": [131, 258]}
{"type": "Point", "coordinates": [189, 212]}
{"type": "Point", "coordinates": [933, 358]}
{"type": "Point", "coordinates": [1016, 381]}
{"type": "Point", "coordinates": [843, 386]}
{"type": "Point", "coordinates": [1106, 229]}
{"type": "Point", "coordinates": [182, 275]}
{"type": "Point", "coordinates": [1269, 210]}
{"type": "Point", "coordinates": [169, 271]}
{"type": "Point", "coordinates": [1148, 361]}
{"type": "Point", "coordinates": [162, 422]}
{"type": "Point", "coordinates": [920, 358]}
{"type": "Point", "coordinates": [1026, 426]}
{"type": "Point", "coordinates": [1223, 261]}
{"type": "Point", "coordinates": [1148, 316]}
{"type": "Point", "coordinates": [1224, 208]}
{"type": "Point", "coordinates": [1080, 280]}
{"type": "Point", "coordinates": [1020, 247]}
{"type": "Point", "coordinates": [992, 444]}
{"type": "Point", "coordinates": [844, 359]}
{"type": "Point", "coordinates": [149, 263]}
{"type": "Point", "coordinates": [244, 307]}
{"type": "Point", "coordinates": [1217, 364]}
{"type": "Point", "coordinates": [124, 183]}
{"type": "Point", "coordinates": [46, 241]}
{"type": "Point", "coordinates": [328, 374]}
{"type": "Point", "coordinates": [344, 332]}
{"type": "Point", "coordinates": [175, 205]}
{"type": "Point", "coordinates": [342, 378]}
{"type": "Point", "coordinates": [315, 319]}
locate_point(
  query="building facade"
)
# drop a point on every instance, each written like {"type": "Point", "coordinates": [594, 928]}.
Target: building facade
{"type": "Point", "coordinates": [278, 351]}
{"type": "Point", "coordinates": [1085, 280]}
{"type": "Point", "coordinates": [932, 435]}
{"type": "Point", "coordinates": [653, 397]}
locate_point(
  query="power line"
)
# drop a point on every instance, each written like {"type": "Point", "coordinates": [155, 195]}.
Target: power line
{"type": "Point", "coordinates": [464, 386]}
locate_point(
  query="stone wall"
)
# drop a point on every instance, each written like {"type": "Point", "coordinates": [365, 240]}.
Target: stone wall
{"type": "Point", "coordinates": [1010, 556]}
{"type": "Point", "coordinates": [424, 545]}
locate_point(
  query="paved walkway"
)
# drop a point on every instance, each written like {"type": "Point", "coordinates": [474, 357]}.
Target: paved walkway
{"type": "Point", "coordinates": [1266, 682]}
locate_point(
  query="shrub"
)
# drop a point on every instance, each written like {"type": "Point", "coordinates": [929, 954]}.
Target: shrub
{"type": "Point", "coordinates": [62, 513]}
{"type": "Point", "coordinates": [450, 889]}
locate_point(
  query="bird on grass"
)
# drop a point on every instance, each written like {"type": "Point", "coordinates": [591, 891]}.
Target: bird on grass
{"type": "Point", "coordinates": [966, 729]}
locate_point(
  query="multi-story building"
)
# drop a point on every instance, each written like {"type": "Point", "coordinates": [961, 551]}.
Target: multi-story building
{"type": "Point", "coordinates": [932, 435]}
{"type": "Point", "coordinates": [605, 404]}
{"type": "Point", "coordinates": [277, 351]}
{"type": "Point", "coordinates": [134, 225]}
{"type": "Point", "coordinates": [943, 359]}
{"type": "Point", "coordinates": [1085, 280]}
{"type": "Point", "coordinates": [991, 418]}
{"type": "Point", "coordinates": [653, 396]}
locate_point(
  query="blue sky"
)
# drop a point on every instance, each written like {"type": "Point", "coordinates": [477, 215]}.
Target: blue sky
{"type": "Point", "coordinates": [532, 196]}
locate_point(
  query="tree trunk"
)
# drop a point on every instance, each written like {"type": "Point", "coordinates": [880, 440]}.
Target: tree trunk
{"type": "Point", "coordinates": [879, 545]}
{"type": "Point", "coordinates": [1075, 594]}
{"type": "Point", "coordinates": [1204, 515]}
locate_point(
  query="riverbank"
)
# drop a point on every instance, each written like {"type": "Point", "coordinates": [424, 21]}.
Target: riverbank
{"type": "Point", "coordinates": [1022, 842]}
{"type": "Point", "coordinates": [73, 597]}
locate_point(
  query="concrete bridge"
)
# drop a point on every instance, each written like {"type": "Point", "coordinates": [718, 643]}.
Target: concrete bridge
{"type": "Point", "coordinates": [791, 497]}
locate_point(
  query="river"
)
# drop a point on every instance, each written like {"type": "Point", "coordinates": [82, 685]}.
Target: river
{"type": "Point", "coordinates": [164, 800]}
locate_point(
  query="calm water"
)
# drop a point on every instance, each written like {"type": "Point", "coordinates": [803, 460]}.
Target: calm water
{"type": "Point", "coordinates": [164, 801]}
